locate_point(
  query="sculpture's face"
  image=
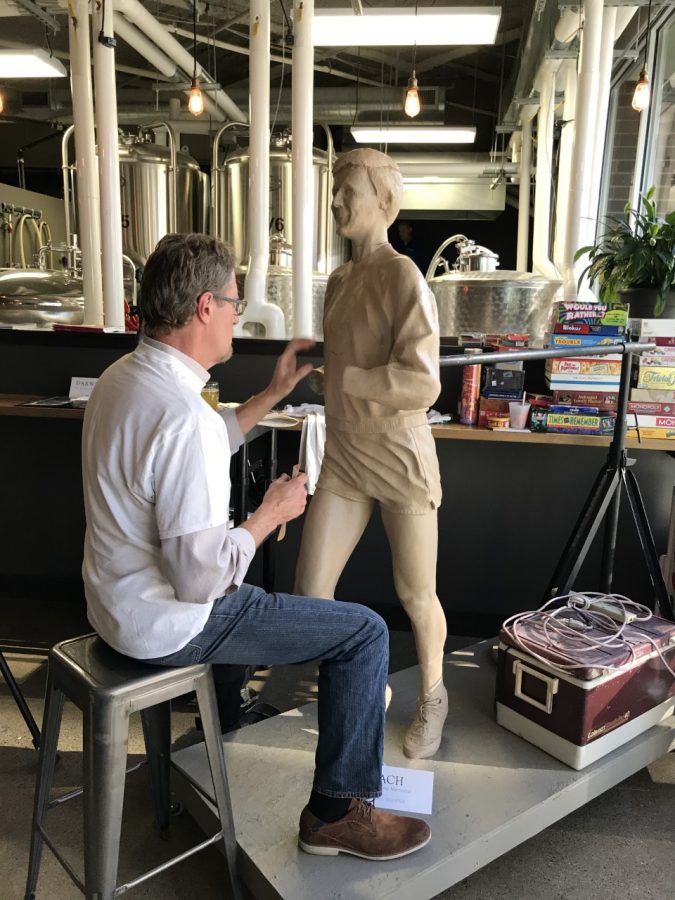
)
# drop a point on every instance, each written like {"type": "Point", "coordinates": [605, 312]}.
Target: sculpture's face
{"type": "Point", "coordinates": [355, 206]}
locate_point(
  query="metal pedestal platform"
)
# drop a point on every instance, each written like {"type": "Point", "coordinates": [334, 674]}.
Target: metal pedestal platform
{"type": "Point", "coordinates": [492, 791]}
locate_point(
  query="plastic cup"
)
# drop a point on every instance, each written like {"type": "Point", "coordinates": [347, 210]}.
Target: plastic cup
{"type": "Point", "coordinates": [518, 413]}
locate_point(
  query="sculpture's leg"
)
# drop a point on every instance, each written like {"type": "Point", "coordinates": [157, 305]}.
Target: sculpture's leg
{"type": "Point", "coordinates": [414, 543]}
{"type": "Point", "coordinates": [332, 529]}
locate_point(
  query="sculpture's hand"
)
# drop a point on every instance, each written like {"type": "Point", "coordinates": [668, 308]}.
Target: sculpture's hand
{"type": "Point", "coordinates": [287, 373]}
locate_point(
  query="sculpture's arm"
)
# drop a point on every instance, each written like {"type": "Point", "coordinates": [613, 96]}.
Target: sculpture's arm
{"type": "Point", "coordinates": [410, 379]}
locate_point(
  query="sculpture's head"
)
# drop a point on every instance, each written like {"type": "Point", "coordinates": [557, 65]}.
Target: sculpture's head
{"type": "Point", "coordinates": [367, 189]}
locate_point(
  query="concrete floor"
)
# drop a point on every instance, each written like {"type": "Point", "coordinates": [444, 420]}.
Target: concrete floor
{"type": "Point", "coordinates": [618, 847]}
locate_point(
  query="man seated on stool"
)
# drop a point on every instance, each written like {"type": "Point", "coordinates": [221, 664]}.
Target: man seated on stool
{"type": "Point", "coordinates": [163, 573]}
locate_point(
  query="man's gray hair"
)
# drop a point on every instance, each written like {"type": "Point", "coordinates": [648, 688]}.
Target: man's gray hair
{"type": "Point", "coordinates": [178, 271]}
{"type": "Point", "coordinates": [384, 174]}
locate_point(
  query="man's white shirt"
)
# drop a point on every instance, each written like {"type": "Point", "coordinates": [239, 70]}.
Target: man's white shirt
{"type": "Point", "coordinates": [155, 462]}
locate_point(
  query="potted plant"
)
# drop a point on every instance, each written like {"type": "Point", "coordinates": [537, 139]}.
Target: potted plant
{"type": "Point", "coordinates": [635, 259]}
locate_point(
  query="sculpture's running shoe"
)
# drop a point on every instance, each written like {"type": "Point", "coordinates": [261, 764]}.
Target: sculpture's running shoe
{"type": "Point", "coordinates": [423, 737]}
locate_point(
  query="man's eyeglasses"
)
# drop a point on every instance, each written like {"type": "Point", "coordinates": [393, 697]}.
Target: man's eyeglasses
{"type": "Point", "coordinates": [239, 305]}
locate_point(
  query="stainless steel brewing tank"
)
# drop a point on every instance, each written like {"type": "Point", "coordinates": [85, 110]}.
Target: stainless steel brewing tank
{"type": "Point", "coordinates": [37, 297]}
{"type": "Point", "coordinates": [493, 302]}
{"type": "Point", "coordinates": [280, 292]}
{"type": "Point", "coordinates": [145, 193]}
{"type": "Point", "coordinates": [329, 250]}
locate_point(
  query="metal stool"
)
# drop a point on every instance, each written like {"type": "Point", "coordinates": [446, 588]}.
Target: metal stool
{"type": "Point", "coordinates": [108, 687]}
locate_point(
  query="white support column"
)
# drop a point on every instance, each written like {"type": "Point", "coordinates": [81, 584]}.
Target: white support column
{"type": "Point", "coordinates": [609, 18]}
{"type": "Point", "coordinates": [108, 168]}
{"type": "Point", "coordinates": [584, 142]}
{"type": "Point", "coordinates": [303, 177]}
{"type": "Point", "coordinates": [569, 71]}
{"type": "Point", "coordinates": [524, 193]}
{"type": "Point", "coordinates": [255, 290]}
{"type": "Point", "coordinates": [88, 208]}
{"type": "Point", "coordinates": [541, 260]}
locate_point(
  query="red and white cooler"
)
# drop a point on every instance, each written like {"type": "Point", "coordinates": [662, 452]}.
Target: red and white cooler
{"type": "Point", "coordinates": [578, 715]}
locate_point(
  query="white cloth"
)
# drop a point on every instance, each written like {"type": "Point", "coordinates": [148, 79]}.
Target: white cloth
{"type": "Point", "coordinates": [156, 483]}
{"type": "Point", "coordinates": [312, 443]}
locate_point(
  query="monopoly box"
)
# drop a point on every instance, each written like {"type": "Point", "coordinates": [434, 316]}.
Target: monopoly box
{"type": "Point", "coordinates": [579, 715]}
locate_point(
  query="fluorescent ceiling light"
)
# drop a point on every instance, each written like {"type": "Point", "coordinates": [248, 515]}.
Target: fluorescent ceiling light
{"type": "Point", "coordinates": [430, 26]}
{"type": "Point", "coordinates": [30, 63]}
{"type": "Point", "coordinates": [365, 134]}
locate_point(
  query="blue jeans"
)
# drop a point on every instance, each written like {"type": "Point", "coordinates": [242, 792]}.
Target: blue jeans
{"type": "Point", "coordinates": [350, 643]}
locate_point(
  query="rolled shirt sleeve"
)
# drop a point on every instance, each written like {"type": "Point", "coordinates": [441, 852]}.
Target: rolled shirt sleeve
{"type": "Point", "coordinates": [207, 564]}
{"type": "Point", "coordinates": [235, 435]}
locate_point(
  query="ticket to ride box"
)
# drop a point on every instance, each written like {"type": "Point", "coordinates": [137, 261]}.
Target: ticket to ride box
{"type": "Point", "coordinates": [580, 715]}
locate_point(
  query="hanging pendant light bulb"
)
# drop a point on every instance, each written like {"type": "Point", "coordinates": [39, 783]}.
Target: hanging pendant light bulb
{"type": "Point", "coordinates": [196, 101]}
{"type": "Point", "coordinates": [411, 107]}
{"type": "Point", "coordinates": [642, 92]}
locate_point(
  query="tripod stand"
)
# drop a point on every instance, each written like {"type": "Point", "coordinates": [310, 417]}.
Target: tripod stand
{"type": "Point", "coordinates": [603, 502]}
{"type": "Point", "coordinates": [20, 701]}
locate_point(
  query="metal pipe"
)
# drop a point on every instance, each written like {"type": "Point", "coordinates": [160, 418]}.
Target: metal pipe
{"type": "Point", "coordinates": [148, 24]}
{"type": "Point", "coordinates": [142, 45]}
{"type": "Point", "coordinates": [433, 265]}
{"type": "Point", "coordinates": [108, 166]}
{"type": "Point", "coordinates": [215, 169]}
{"type": "Point", "coordinates": [255, 284]}
{"type": "Point", "coordinates": [88, 201]}
{"type": "Point", "coordinates": [302, 161]}
{"type": "Point", "coordinates": [172, 174]}
{"type": "Point", "coordinates": [601, 350]}
{"type": "Point", "coordinates": [65, 172]}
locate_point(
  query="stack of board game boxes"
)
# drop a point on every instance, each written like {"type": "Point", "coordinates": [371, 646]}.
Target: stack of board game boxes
{"type": "Point", "coordinates": [585, 389]}
{"type": "Point", "coordinates": [651, 407]}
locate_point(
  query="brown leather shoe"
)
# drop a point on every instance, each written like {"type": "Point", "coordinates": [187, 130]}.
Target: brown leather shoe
{"type": "Point", "coordinates": [364, 831]}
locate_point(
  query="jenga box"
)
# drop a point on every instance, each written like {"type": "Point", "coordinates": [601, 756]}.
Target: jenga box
{"type": "Point", "coordinates": [572, 312]}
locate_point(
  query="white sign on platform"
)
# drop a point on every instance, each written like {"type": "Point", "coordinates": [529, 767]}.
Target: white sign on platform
{"type": "Point", "coordinates": [406, 790]}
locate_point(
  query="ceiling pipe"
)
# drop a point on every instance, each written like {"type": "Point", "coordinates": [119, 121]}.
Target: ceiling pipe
{"type": "Point", "coordinates": [541, 261]}
{"type": "Point", "coordinates": [302, 164]}
{"type": "Point", "coordinates": [148, 24]}
{"type": "Point", "coordinates": [88, 203]}
{"type": "Point", "coordinates": [108, 167]}
{"type": "Point", "coordinates": [143, 46]}
{"type": "Point", "coordinates": [286, 60]}
{"type": "Point", "coordinates": [585, 123]}
{"type": "Point", "coordinates": [255, 285]}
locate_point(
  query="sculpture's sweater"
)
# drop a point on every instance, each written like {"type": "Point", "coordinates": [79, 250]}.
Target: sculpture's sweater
{"type": "Point", "coordinates": [381, 349]}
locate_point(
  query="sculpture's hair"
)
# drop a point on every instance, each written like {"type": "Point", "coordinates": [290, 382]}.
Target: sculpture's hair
{"type": "Point", "coordinates": [384, 175]}
{"type": "Point", "coordinates": [178, 271]}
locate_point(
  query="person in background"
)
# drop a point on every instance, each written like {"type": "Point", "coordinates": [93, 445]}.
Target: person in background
{"type": "Point", "coordinates": [406, 244]}
{"type": "Point", "coordinates": [163, 571]}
